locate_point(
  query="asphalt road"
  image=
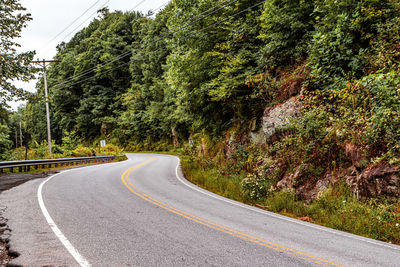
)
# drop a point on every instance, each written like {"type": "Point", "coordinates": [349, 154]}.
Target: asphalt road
{"type": "Point", "coordinates": [141, 212]}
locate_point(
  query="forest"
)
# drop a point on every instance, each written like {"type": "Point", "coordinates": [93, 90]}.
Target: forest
{"type": "Point", "coordinates": [200, 77]}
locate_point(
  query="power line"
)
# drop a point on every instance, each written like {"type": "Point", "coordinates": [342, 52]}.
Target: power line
{"type": "Point", "coordinates": [75, 20]}
{"type": "Point", "coordinates": [105, 63]}
{"type": "Point", "coordinates": [155, 9]}
{"type": "Point", "coordinates": [77, 27]}
{"type": "Point", "coordinates": [191, 22]}
{"type": "Point", "coordinates": [210, 26]}
{"type": "Point", "coordinates": [138, 4]}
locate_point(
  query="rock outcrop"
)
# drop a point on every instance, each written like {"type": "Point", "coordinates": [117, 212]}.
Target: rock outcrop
{"type": "Point", "coordinates": [377, 180]}
{"type": "Point", "coordinates": [291, 181]}
{"type": "Point", "coordinates": [307, 189]}
{"type": "Point", "coordinates": [274, 118]}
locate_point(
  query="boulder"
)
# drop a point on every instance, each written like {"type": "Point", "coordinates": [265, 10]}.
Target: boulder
{"type": "Point", "coordinates": [311, 190]}
{"type": "Point", "coordinates": [376, 180]}
{"type": "Point", "coordinates": [276, 117]}
{"type": "Point", "coordinates": [291, 181]}
{"type": "Point", "coordinates": [308, 189]}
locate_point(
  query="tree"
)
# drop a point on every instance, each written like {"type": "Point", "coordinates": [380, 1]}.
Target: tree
{"type": "Point", "coordinates": [344, 33]}
{"type": "Point", "coordinates": [287, 28]}
{"type": "Point", "coordinates": [13, 65]}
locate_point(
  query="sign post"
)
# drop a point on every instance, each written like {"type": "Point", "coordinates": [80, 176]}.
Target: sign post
{"type": "Point", "coordinates": [103, 144]}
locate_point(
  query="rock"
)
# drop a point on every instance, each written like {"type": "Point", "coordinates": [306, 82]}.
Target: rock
{"type": "Point", "coordinates": [377, 180]}
{"type": "Point", "coordinates": [355, 154]}
{"type": "Point", "coordinates": [270, 171]}
{"type": "Point", "coordinates": [308, 189]}
{"type": "Point", "coordinates": [312, 190]}
{"type": "Point", "coordinates": [292, 180]}
{"type": "Point", "coordinates": [258, 137]}
{"type": "Point", "coordinates": [274, 118]}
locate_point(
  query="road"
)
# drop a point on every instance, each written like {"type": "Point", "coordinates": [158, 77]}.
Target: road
{"type": "Point", "coordinates": [142, 212]}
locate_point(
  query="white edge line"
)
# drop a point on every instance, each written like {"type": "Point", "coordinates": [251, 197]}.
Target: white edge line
{"type": "Point", "coordinates": [78, 257]}
{"type": "Point", "coordinates": [278, 216]}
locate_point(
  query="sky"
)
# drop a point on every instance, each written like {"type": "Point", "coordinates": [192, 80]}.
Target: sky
{"type": "Point", "coordinates": [51, 17]}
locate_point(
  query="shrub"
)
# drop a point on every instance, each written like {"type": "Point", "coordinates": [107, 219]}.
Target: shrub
{"type": "Point", "coordinates": [82, 151]}
{"type": "Point", "coordinates": [70, 141]}
{"type": "Point", "coordinates": [112, 150]}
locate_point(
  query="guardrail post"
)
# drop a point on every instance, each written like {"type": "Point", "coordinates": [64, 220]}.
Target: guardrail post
{"type": "Point", "coordinates": [28, 168]}
{"type": "Point", "coordinates": [11, 169]}
{"type": "Point", "coordinates": [20, 169]}
{"type": "Point", "coordinates": [56, 165]}
{"type": "Point", "coordinates": [43, 166]}
{"type": "Point", "coordinates": [1, 170]}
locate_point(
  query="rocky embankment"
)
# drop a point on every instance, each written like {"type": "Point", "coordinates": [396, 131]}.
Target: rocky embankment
{"type": "Point", "coordinates": [364, 180]}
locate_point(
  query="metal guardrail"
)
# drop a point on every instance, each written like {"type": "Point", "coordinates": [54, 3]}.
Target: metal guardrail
{"type": "Point", "coordinates": [27, 164]}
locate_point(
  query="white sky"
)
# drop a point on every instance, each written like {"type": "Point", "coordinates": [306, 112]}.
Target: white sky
{"type": "Point", "coordinates": [50, 17]}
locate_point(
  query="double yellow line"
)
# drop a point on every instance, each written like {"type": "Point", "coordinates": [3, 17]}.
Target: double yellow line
{"type": "Point", "coordinates": [253, 239]}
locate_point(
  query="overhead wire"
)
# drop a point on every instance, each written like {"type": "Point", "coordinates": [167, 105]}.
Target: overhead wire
{"type": "Point", "coordinates": [77, 27]}
{"type": "Point", "coordinates": [152, 11]}
{"type": "Point", "coordinates": [141, 2]}
{"type": "Point", "coordinates": [138, 4]}
{"type": "Point", "coordinates": [189, 23]}
{"type": "Point", "coordinates": [210, 26]}
{"type": "Point", "coordinates": [69, 25]}
{"type": "Point", "coordinates": [107, 62]}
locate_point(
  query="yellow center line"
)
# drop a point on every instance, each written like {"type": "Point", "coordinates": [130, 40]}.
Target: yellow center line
{"type": "Point", "coordinates": [260, 241]}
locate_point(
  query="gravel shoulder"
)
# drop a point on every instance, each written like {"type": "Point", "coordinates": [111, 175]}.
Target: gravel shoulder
{"type": "Point", "coordinates": [8, 181]}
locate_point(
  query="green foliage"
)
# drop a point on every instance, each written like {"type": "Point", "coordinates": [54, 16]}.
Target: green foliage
{"type": "Point", "coordinates": [287, 28]}
{"type": "Point", "coordinates": [284, 201]}
{"type": "Point", "coordinates": [257, 186]}
{"type": "Point", "coordinates": [158, 79]}
{"type": "Point", "coordinates": [69, 142]}
{"type": "Point", "coordinates": [112, 150]}
{"type": "Point", "coordinates": [13, 65]}
{"type": "Point", "coordinates": [212, 179]}
{"type": "Point", "coordinates": [5, 142]}
{"type": "Point", "coordinates": [82, 151]}
{"type": "Point", "coordinates": [343, 34]}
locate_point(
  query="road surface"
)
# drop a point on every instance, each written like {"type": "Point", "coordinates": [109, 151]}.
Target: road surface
{"type": "Point", "coordinates": [142, 212]}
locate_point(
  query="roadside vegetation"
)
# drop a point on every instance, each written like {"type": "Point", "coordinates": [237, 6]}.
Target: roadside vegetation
{"type": "Point", "coordinates": [337, 207]}
{"type": "Point", "coordinates": [208, 80]}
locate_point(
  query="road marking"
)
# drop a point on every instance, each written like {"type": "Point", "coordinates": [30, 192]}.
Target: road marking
{"type": "Point", "coordinates": [78, 257]}
{"type": "Point", "coordinates": [278, 216]}
{"type": "Point", "coordinates": [253, 239]}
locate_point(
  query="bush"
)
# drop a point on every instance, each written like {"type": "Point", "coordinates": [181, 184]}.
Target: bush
{"type": "Point", "coordinates": [82, 151]}
{"type": "Point", "coordinates": [344, 32]}
{"type": "Point", "coordinates": [112, 150]}
{"type": "Point", "coordinates": [70, 141]}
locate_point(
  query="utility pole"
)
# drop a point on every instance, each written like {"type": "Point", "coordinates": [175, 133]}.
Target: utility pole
{"type": "Point", "coordinates": [16, 138]}
{"type": "Point", "coordinates": [47, 98]}
{"type": "Point", "coordinates": [20, 132]}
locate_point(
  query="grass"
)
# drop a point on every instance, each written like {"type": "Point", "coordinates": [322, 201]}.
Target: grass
{"type": "Point", "coordinates": [212, 179]}
{"type": "Point", "coordinates": [335, 208]}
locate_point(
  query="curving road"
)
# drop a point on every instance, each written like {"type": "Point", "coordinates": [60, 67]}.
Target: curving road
{"type": "Point", "coordinates": [141, 212]}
